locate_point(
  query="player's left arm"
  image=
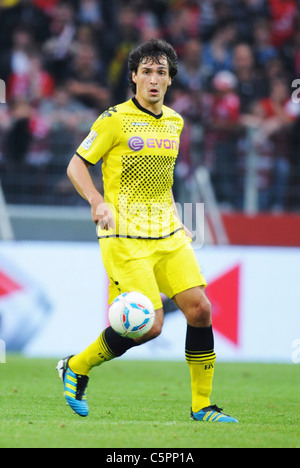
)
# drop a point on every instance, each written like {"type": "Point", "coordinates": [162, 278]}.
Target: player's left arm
{"type": "Point", "coordinates": [186, 230]}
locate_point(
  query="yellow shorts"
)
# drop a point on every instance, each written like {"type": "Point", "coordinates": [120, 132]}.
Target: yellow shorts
{"type": "Point", "coordinates": [149, 266]}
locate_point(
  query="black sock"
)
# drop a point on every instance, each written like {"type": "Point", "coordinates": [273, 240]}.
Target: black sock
{"type": "Point", "coordinates": [199, 339]}
{"type": "Point", "coordinates": [200, 357]}
{"type": "Point", "coordinates": [118, 344]}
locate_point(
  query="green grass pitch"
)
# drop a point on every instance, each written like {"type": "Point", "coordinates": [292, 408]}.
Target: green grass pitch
{"type": "Point", "coordinates": [146, 405]}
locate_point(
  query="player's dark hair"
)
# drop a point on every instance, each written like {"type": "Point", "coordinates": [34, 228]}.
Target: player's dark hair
{"type": "Point", "coordinates": [153, 49]}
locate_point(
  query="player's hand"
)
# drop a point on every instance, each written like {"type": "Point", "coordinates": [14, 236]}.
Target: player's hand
{"type": "Point", "coordinates": [102, 216]}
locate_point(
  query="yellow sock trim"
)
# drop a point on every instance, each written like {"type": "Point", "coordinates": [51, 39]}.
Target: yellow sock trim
{"type": "Point", "coordinates": [202, 367]}
{"type": "Point", "coordinates": [97, 353]}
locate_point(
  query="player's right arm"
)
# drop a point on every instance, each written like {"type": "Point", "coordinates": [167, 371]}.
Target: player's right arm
{"type": "Point", "coordinates": [78, 173]}
{"type": "Point", "coordinates": [97, 144]}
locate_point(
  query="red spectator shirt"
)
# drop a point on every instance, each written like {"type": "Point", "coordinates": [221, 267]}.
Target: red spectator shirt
{"type": "Point", "coordinates": [283, 14]}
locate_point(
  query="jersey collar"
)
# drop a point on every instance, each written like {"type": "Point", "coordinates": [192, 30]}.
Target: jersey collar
{"type": "Point", "coordinates": [138, 105]}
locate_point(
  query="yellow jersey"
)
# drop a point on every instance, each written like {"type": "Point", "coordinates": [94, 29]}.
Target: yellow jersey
{"type": "Point", "coordinates": [138, 150]}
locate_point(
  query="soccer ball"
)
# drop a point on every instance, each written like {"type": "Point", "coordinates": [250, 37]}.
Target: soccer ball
{"type": "Point", "coordinates": [131, 314]}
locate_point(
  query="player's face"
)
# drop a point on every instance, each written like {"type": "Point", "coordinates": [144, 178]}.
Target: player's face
{"type": "Point", "coordinates": [152, 81]}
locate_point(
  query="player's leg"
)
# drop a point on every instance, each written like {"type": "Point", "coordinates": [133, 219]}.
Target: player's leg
{"type": "Point", "coordinates": [199, 347]}
{"type": "Point", "coordinates": [136, 276]}
{"type": "Point", "coordinates": [126, 273]}
{"type": "Point", "coordinates": [200, 354]}
{"type": "Point", "coordinates": [128, 266]}
{"type": "Point", "coordinates": [106, 347]}
{"type": "Point", "coordinates": [110, 345]}
{"type": "Point", "coordinates": [179, 276]}
{"type": "Point", "coordinates": [155, 330]}
{"type": "Point", "coordinates": [74, 370]}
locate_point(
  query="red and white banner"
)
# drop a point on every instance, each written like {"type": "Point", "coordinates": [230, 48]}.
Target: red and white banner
{"type": "Point", "coordinates": [53, 302]}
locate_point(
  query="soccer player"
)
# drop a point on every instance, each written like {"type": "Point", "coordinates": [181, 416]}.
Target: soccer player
{"type": "Point", "coordinates": [144, 245]}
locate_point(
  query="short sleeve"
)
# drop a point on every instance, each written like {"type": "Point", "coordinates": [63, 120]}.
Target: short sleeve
{"type": "Point", "coordinates": [102, 137]}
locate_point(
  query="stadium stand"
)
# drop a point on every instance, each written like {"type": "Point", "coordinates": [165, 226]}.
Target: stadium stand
{"type": "Point", "coordinates": [65, 62]}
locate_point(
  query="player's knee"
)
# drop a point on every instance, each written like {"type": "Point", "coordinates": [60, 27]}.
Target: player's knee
{"type": "Point", "coordinates": [158, 325]}
{"type": "Point", "coordinates": [200, 313]}
{"type": "Point", "coordinates": [153, 333]}
{"type": "Point", "coordinates": [155, 330]}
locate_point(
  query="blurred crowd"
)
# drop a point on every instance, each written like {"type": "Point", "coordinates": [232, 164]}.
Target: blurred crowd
{"type": "Point", "coordinates": [65, 62]}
